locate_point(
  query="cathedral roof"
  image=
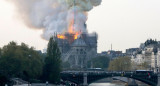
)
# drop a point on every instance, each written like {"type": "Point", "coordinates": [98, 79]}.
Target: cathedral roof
{"type": "Point", "coordinates": [79, 42]}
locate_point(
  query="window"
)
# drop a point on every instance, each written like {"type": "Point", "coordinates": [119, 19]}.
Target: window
{"type": "Point", "coordinates": [77, 50]}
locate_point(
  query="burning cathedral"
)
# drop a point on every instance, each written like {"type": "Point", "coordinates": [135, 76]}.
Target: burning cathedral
{"type": "Point", "coordinates": [77, 48]}
{"type": "Point", "coordinates": [67, 18]}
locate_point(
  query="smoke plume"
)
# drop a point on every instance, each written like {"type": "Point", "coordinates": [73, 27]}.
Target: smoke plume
{"type": "Point", "coordinates": [55, 15]}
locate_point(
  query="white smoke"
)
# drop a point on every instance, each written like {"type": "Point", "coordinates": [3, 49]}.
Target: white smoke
{"type": "Point", "coordinates": [55, 15]}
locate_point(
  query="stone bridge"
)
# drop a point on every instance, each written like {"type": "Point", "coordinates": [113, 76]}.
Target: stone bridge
{"type": "Point", "coordinates": [86, 77]}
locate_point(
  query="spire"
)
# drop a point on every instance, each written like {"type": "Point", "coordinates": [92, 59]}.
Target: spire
{"type": "Point", "coordinates": [74, 4]}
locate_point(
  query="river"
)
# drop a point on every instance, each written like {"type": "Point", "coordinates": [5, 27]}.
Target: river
{"type": "Point", "coordinates": [106, 84]}
{"type": "Point", "coordinates": [114, 84]}
{"type": "Point", "coordinates": [111, 82]}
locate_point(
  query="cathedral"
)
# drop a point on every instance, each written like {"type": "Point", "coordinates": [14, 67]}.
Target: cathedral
{"type": "Point", "coordinates": [77, 51]}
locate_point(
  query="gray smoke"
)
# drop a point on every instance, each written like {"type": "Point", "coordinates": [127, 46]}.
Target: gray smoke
{"type": "Point", "coordinates": [55, 15]}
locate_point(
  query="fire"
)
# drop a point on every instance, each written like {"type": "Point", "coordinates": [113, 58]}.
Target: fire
{"type": "Point", "coordinates": [70, 31]}
{"type": "Point", "coordinates": [76, 35]}
{"type": "Point", "coordinates": [61, 36]}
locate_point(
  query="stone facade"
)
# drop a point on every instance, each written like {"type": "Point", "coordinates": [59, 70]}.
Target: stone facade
{"type": "Point", "coordinates": [78, 51]}
{"type": "Point", "coordinates": [149, 55]}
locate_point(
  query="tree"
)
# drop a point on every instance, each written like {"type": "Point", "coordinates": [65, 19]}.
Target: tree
{"type": "Point", "coordinates": [20, 61]}
{"type": "Point", "coordinates": [99, 62]}
{"type": "Point", "coordinates": [120, 64]}
{"type": "Point", "coordinates": [52, 67]}
{"type": "Point", "coordinates": [142, 66]}
{"type": "Point", "coordinates": [65, 65]}
{"type": "Point", "coordinates": [0, 52]}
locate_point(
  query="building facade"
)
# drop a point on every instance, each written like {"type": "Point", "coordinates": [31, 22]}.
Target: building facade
{"type": "Point", "coordinates": [77, 51]}
{"type": "Point", "coordinates": [149, 56]}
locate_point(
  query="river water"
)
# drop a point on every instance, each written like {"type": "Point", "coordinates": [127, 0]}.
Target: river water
{"type": "Point", "coordinates": [105, 84]}
{"type": "Point", "coordinates": [113, 84]}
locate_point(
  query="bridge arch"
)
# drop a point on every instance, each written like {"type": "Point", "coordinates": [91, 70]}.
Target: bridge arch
{"type": "Point", "coordinates": [77, 77]}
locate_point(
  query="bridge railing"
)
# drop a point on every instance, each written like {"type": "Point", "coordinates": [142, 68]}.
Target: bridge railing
{"type": "Point", "coordinates": [77, 76]}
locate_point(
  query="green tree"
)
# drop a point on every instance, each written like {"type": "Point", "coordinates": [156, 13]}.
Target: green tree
{"type": "Point", "coordinates": [99, 62]}
{"type": "Point", "coordinates": [0, 52]}
{"type": "Point", "coordinates": [65, 65]}
{"type": "Point", "coordinates": [120, 64]}
{"type": "Point", "coordinates": [20, 61]}
{"type": "Point", "coordinates": [52, 67]}
{"type": "Point", "coordinates": [142, 66]}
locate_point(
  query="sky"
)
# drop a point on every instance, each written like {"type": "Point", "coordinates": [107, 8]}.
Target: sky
{"type": "Point", "coordinates": [122, 23]}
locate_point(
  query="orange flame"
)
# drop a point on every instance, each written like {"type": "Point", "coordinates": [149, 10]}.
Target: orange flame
{"type": "Point", "coordinates": [70, 31]}
{"type": "Point", "coordinates": [61, 36]}
{"type": "Point", "coordinates": [71, 27]}
{"type": "Point", "coordinates": [76, 35]}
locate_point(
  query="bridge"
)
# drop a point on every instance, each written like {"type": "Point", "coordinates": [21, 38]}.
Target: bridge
{"type": "Point", "coordinates": [87, 77]}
